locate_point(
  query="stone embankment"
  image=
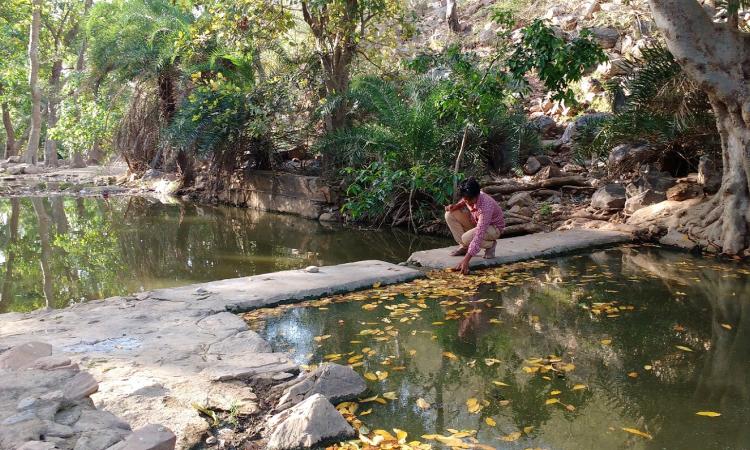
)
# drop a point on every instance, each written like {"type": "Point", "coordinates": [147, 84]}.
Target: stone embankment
{"type": "Point", "coordinates": [161, 356]}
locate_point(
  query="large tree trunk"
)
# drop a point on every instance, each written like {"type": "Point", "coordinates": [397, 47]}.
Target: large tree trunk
{"type": "Point", "coordinates": [715, 55]}
{"type": "Point", "coordinates": [36, 95]}
{"type": "Point", "coordinates": [10, 134]}
{"type": "Point", "coordinates": [50, 145]}
{"type": "Point", "coordinates": [451, 16]}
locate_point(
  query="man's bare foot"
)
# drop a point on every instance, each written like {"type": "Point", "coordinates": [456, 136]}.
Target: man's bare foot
{"type": "Point", "coordinates": [490, 252]}
{"type": "Point", "coordinates": [460, 251]}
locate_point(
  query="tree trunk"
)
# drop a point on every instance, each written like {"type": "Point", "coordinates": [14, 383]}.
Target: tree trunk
{"type": "Point", "coordinates": [44, 239]}
{"type": "Point", "coordinates": [6, 293]}
{"type": "Point", "coordinates": [53, 102]}
{"type": "Point", "coordinates": [451, 16]}
{"type": "Point", "coordinates": [714, 55]}
{"type": "Point", "coordinates": [36, 95]}
{"type": "Point", "coordinates": [10, 134]}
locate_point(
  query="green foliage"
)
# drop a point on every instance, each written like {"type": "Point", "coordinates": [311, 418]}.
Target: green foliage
{"type": "Point", "coordinates": [135, 38]}
{"type": "Point", "coordinates": [86, 121]}
{"type": "Point", "coordinates": [557, 62]}
{"type": "Point", "coordinates": [407, 131]}
{"type": "Point", "coordinates": [661, 106]}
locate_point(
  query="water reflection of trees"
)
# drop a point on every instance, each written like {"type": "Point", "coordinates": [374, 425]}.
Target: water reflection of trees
{"type": "Point", "coordinates": [63, 250]}
{"type": "Point", "coordinates": [662, 401]}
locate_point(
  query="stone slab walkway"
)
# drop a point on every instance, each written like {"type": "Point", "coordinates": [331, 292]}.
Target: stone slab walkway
{"type": "Point", "coordinates": [157, 353]}
{"type": "Point", "coordinates": [515, 249]}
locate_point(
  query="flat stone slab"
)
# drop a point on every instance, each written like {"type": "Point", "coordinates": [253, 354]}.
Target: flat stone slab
{"type": "Point", "coordinates": [522, 248]}
{"type": "Point", "coordinates": [156, 353]}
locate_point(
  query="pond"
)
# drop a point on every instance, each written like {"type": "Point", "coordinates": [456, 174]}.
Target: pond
{"type": "Point", "coordinates": [623, 348]}
{"type": "Point", "coordinates": [57, 251]}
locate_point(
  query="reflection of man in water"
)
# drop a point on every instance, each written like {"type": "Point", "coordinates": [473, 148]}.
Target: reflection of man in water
{"type": "Point", "coordinates": [474, 323]}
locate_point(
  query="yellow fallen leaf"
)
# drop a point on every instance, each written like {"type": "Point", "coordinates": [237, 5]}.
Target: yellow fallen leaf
{"type": "Point", "coordinates": [727, 326]}
{"type": "Point", "coordinates": [371, 376]}
{"type": "Point", "coordinates": [552, 401]}
{"type": "Point", "coordinates": [555, 392]}
{"type": "Point", "coordinates": [511, 437]}
{"type": "Point", "coordinates": [400, 435]}
{"type": "Point", "coordinates": [708, 414]}
{"type": "Point", "coordinates": [499, 383]}
{"type": "Point", "coordinates": [683, 348]}
{"type": "Point", "coordinates": [490, 421]}
{"type": "Point", "coordinates": [376, 285]}
{"type": "Point", "coordinates": [422, 403]}
{"type": "Point", "coordinates": [578, 387]}
{"type": "Point", "coordinates": [648, 367]}
{"type": "Point", "coordinates": [412, 352]}
{"type": "Point", "coordinates": [366, 412]}
{"type": "Point", "coordinates": [390, 395]}
{"type": "Point", "coordinates": [528, 430]}
{"type": "Point", "coordinates": [633, 374]}
{"type": "Point", "coordinates": [473, 405]}
{"type": "Point", "coordinates": [381, 375]}
{"type": "Point", "coordinates": [450, 355]}
{"type": "Point", "coordinates": [321, 338]}
{"type": "Point", "coordinates": [606, 341]}
{"type": "Point", "coordinates": [638, 433]}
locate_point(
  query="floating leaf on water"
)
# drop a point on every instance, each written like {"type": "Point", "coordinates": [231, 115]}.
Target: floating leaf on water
{"type": "Point", "coordinates": [450, 355]}
{"type": "Point", "coordinates": [727, 326]}
{"type": "Point", "coordinates": [400, 435]}
{"type": "Point", "coordinates": [321, 338]}
{"type": "Point", "coordinates": [473, 405]}
{"type": "Point", "coordinates": [683, 348]}
{"type": "Point", "coordinates": [633, 374]}
{"type": "Point", "coordinates": [490, 421]}
{"type": "Point", "coordinates": [491, 361]}
{"type": "Point", "coordinates": [708, 414]}
{"type": "Point", "coordinates": [638, 433]}
{"type": "Point", "coordinates": [512, 437]}
{"type": "Point", "coordinates": [578, 387]}
{"type": "Point", "coordinates": [552, 401]}
{"type": "Point", "coordinates": [499, 383]}
{"type": "Point", "coordinates": [390, 395]}
{"type": "Point", "coordinates": [555, 392]}
{"type": "Point", "coordinates": [381, 375]}
{"type": "Point", "coordinates": [376, 285]}
{"type": "Point", "coordinates": [422, 403]}
{"type": "Point", "coordinates": [606, 341]}
{"type": "Point", "coordinates": [412, 352]}
{"type": "Point", "coordinates": [648, 367]}
{"type": "Point", "coordinates": [528, 430]}
{"type": "Point", "coordinates": [371, 376]}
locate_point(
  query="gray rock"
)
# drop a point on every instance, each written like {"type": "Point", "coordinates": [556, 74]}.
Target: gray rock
{"type": "Point", "coordinates": [522, 198]}
{"type": "Point", "coordinates": [684, 191]}
{"type": "Point", "coordinates": [241, 343]}
{"type": "Point", "coordinates": [551, 171]}
{"type": "Point", "coordinates": [573, 130]}
{"type": "Point", "coordinates": [99, 439]}
{"type": "Point", "coordinates": [674, 238]}
{"type": "Point", "coordinates": [532, 166]}
{"type": "Point", "coordinates": [37, 445]}
{"type": "Point", "coordinates": [336, 382]}
{"type": "Point", "coordinates": [310, 423]}
{"type": "Point", "coordinates": [24, 355]}
{"type": "Point", "coordinates": [606, 37]}
{"type": "Point", "coordinates": [642, 199]}
{"type": "Point", "coordinates": [231, 396]}
{"type": "Point", "coordinates": [80, 386]}
{"type": "Point", "coordinates": [93, 419]}
{"type": "Point", "coordinates": [54, 362]}
{"type": "Point", "coordinates": [626, 156]}
{"type": "Point", "coordinates": [249, 366]}
{"type": "Point", "coordinates": [611, 196]}
{"type": "Point", "coordinates": [312, 269]}
{"type": "Point", "coordinates": [544, 124]}
{"type": "Point", "coordinates": [31, 169]}
{"type": "Point", "coordinates": [150, 437]}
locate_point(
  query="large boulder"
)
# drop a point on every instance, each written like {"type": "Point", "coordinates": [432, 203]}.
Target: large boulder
{"type": "Point", "coordinates": [335, 382]}
{"type": "Point", "coordinates": [640, 199]}
{"type": "Point", "coordinates": [544, 124]}
{"type": "Point", "coordinates": [311, 423]}
{"type": "Point", "coordinates": [532, 166]}
{"type": "Point", "coordinates": [609, 197]}
{"type": "Point", "coordinates": [521, 198]}
{"type": "Point", "coordinates": [606, 37]}
{"type": "Point", "coordinates": [626, 157]}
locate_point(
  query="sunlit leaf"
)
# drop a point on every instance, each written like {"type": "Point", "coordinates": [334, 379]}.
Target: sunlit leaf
{"type": "Point", "coordinates": [490, 421]}
{"type": "Point", "coordinates": [512, 437]}
{"type": "Point", "coordinates": [727, 326]}
{"type": "Point", "coordinates": [422, 403]}
{"type": "Point", "coordinates": [578, 387]}
{"type": "Point", "coordinates": [638, 433]}
{"type": "Point", "coordinates": [683, 348]}
{"type": "Point", "coordinates": [371, 376]}
{"type": "Point", "coordinates": [552, 401]}
{"type": "Point", "coordinates": [606, 341]}
{"type": "Point", "coordinates": [450, 355]}
{"type": "Point", "coordinates": [499, 383]}
{"type": "Point", "coordinates": [708, 413]}
{"type": "Point", "coordinates": [390, 395]}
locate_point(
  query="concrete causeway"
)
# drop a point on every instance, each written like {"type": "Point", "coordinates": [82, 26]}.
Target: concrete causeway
{"type": "Point", "coordinates": [531, 246]}
{"type": "Point", "coordinates": [157, 353]}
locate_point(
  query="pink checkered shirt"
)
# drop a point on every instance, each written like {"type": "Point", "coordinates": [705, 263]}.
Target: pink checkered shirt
{"type": "Point", "coordinates": [484, 213]}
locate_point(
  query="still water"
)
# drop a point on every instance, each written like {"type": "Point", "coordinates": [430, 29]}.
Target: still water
{"type": "Point", "coordinates": [57, 251]}
{"type": "Point", "coordinates": [612, 350]}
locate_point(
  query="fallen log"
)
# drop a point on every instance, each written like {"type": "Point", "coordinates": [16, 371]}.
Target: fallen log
{"type": "Point", "coordinates": [572, 180]}
{"type": "Point", "coordinates": [517, 216]}
{"type": "Point", "coordinates": [519, 230]}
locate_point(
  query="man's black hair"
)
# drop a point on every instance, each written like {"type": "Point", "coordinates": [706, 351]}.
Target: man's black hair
{"type": "Point", "coordinates": [469, 188]}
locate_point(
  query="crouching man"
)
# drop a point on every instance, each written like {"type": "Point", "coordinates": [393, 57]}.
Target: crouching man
{"type": "Point", "coordinates": [475, 222]}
